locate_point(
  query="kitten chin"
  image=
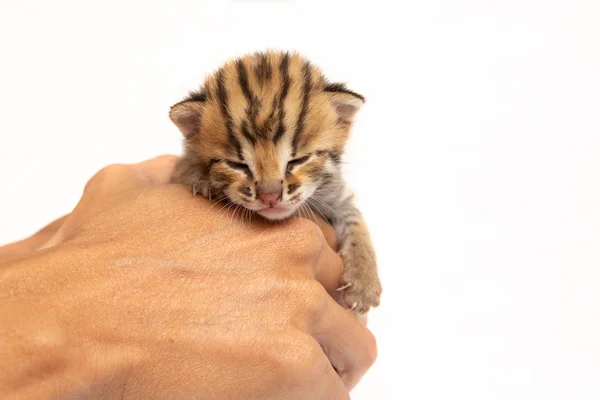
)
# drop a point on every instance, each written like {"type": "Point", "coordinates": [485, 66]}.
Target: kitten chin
{"type": "Point", "coordinates": [276, 213]}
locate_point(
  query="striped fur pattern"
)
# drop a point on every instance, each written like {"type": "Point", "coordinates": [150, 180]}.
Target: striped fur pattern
{"type": "Point", "coordinates": [267, 131]}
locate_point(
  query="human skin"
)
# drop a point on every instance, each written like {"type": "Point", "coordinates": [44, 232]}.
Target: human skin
{"type": "Point", "coordinates": [144, 292]}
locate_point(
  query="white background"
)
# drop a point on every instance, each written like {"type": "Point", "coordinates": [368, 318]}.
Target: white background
{"type": "Point", "coordinates": [476, 159]}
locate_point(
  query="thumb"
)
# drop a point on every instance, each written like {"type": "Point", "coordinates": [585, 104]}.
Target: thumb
{"type": "Point", "coordinates": [116, 178]}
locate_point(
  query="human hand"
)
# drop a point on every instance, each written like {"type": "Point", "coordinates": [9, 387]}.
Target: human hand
{"type": "Point", "coordinates": [146, 292]}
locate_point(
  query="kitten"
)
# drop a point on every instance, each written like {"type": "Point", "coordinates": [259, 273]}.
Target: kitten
{"type": "Point", "coordinates": [266, 132]}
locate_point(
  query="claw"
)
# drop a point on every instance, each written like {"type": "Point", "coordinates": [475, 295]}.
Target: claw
{"type": "Point", "coordinates": [194, 190]}
{"type": "Point", "coordinates": [354, 305]}
{"type": "Point", "coordinates": [346, 286]}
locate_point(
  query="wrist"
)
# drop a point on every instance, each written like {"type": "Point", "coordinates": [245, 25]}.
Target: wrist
{"type": "Point", "coordinates": [50, 356]}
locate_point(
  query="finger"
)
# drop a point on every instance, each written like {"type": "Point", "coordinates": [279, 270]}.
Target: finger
{"type": "Point", "coordinates": [349, 345]}
{"type": "Point", "coordinates": [328, 269]}
{"type": "Point", "coordinates": [336, 389]}
{"type": "Point", "coordinates": [333, 386]}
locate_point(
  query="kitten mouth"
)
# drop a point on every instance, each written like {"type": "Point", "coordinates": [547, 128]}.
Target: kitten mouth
{"type": "Point", "coordinates": [274, 212]}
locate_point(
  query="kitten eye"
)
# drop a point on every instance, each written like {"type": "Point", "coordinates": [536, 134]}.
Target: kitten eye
{"type": "Point", "coordinates": [296, 162]}
{"type": "Point", "coordinates": [239, 166]}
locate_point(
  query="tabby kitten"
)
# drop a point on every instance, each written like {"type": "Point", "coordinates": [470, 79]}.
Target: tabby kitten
{"type": "Point", "coordinates": [266, 132]}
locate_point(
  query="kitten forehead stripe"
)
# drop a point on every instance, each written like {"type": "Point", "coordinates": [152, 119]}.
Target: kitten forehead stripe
{"type": "Point", "coordinates": [304, 110]}
{"type": "Point", "coordinates": [286, 81]}
{"type": "Point", "coordinates": [252, 101]}
{"type": "Point", "coordinates": [269, 122]}
{"type": "Point", "coordinates": [263, 70]}
{"type": "Point", "coordinates": [208, 91]}
{"type": "Point", "coordinates": [223, 99]}
{"type": "Point", "coordinates": [247, 134]}
{"type": "Point", "coordinates": [243, 80]}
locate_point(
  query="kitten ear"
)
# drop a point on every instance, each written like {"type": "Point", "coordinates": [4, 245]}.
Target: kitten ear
{"type": "Point", "coordinates": [187, 116]}
{"type": "Point", "coordinates": [345, 102]}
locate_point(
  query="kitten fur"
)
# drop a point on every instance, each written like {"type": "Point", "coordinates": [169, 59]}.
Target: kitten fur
{"type": "Point", "coordinates": [267, 131]}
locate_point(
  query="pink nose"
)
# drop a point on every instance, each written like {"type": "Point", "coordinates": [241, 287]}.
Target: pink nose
{"type": "Point", "coordinates": [269, 198]}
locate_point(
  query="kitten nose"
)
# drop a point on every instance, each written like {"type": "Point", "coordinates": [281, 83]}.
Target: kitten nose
{"type": "Point", "coordinates": [269, 198]}
{"type": "Point", "coordinates": [269, 191]}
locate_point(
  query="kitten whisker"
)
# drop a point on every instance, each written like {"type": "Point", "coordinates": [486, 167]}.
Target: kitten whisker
{"type": "Point", "coordinates": [311, 217]}
{"type": "Point", "coordinates": [246, 217]}
{"type": "Point", "coordinates": [335, 212]}
{"type": "Point", "coordinates": [229, 205]}
{"type": "Point", "coordinates": [237, 208]}
{"type": "Point", "coordinates": [315, 217]}
{"type": "Point", "coordinates": [217, 201]}
{"type": "Point", "coordinates": [305, 210]}
{"type": "Point", "coordinates": [329, 223]}
{"type": "Point", "coordinates": [213, 205]}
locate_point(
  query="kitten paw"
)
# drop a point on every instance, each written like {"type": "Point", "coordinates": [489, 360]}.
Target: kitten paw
{"type": "Point", "coordinates": [344, 287]}
{"type": "Point", "coordinates": [199, 189]}
{"type": "Point", "coordinates": [359, 297]}
{"type": "Point", "coordinates": [360, 289]}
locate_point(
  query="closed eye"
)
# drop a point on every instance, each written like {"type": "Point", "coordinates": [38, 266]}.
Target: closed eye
{"type": "Point", "coordinates": [240, 167]}
{"type": "Point", "coordinates": [298, 161]}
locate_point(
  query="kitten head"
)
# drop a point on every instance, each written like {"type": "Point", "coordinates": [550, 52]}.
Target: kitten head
{"type": "Point", "coordinates": [268, 130]}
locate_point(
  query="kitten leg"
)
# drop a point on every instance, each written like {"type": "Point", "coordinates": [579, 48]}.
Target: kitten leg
{"type": "Point", "coordinates": [360, 287]}
{"type": "Point", "coordinates": [189, 172]}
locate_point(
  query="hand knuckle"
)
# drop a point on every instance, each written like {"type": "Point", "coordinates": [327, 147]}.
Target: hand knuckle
{"type": "Point", "coordinates": [297, 358]}
{"type": "Point", "coordinates": [312, 297]}
{"type": "Point", "coordinates": [306, 294]}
